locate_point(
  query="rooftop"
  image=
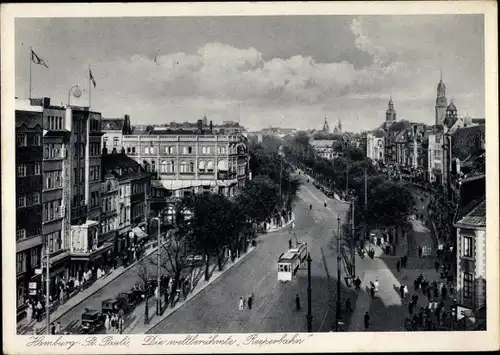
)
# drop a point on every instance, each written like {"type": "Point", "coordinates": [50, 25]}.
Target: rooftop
{"type": "Point", "coordinates": [475, 218]}
{"type": "Point", "coordinates": [112, 123]}
{"type": "Point", "coordinates": [122, 166]}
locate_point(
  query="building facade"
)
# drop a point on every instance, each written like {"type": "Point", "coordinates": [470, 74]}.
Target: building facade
{"type": "Point", "coordinates": [29, 243]}
{"type": "Point", "coordinates": [375, 144]}
{"type": "Point", "coordinates": [435, 158]}
{"type": "Point", "coordinates": [471, 260]}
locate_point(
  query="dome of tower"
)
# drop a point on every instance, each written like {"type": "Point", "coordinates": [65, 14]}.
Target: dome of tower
{"type": "Point", "coordinates": [451, 107]}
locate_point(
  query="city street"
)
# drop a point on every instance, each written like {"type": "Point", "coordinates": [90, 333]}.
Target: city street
{"type": "Point", "coordinates": [215, 310]}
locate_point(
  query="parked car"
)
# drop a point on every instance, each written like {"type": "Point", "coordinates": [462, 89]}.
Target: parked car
{"type": "Point", "coordinates": [92, 321]}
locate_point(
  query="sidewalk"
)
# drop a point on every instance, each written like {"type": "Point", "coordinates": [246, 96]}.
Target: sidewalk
{"type": "Point", "coordinates": [277, 228]}
{"type": "Point", "coordinates": [23, 326]}
{"type": "Point", "coordinates": [137, 325]}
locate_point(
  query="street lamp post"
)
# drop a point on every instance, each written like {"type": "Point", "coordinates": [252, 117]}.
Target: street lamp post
{"type": "Point", "coordinates": [47, 284]}
{"type": "Point", "coordinates": [337, 318]}
{"type": "Point", "coordinates": [76, 93]}
{"type": "Point", "coordinates": [309, 315]}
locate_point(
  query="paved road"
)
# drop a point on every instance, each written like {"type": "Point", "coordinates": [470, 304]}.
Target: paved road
{"type": "Point", "coordinates": [123, 283]}
{"type": "Point", "coordinates": [215, 310]}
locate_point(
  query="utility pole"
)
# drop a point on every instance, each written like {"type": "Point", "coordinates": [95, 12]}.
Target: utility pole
{"type": "Point", "coordinates": [309, 315]}
{"type": "Point", "coordinates": [47, 284]}
{"type": "Point", "coordinates": [158, 295]}
{"type": "Point", "coordinates": [354, 244]}
{"type": "Point", "coordinates": [337, 318]}
{"type": "Point", "coordinates": [366, 205]}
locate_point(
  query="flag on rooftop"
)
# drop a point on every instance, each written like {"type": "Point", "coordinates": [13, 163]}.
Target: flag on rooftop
{"type": "Point", "coordinates": [37, 60]}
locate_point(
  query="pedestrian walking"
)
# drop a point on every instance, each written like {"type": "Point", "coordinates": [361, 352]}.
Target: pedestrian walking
{"type": "Point", "coordinates": [401, 291]}
{"type": "Point", "coordinates": [29, 312]}
{"type": "Point", "coordinates": [53, 329]}
{"type": "Point", "coordinates": [406, 291]}
{"type": "Point", "coordinates": [429, 294]}
{"type": "Point", "coordinates": [375, 285]}
{"type": "Point", "coordinates": [398, 265]}
{"type": "Point", "coordinates": [240, 307]}
{"type": "Point", "coordinates": [348, 306]}
{"type": "Point", "coordinates": [107, 322]}
{"type": "Point", "coordinates": [436, 265]}
{"type": "Point", "coordinates": [367, 320]}
{"type": "Point", "coordinates": [414, 298]}
{"type": "Point", "coordinates": [121, 324]}
{"type": "Point", "coordinates": [250, 301]}
{"type": "Point", "coordinates": [444, 292]}
{"type": "Point", "coordinates": [410, 307]}
{"type": "Point", "coordinates": [297, 302]}
{"type": "Point", "coordinates": [357, 284]}
{"type": "Point", "coordinates": [290, 244]}
{"type": "Point", "coordinates": [58, 328]}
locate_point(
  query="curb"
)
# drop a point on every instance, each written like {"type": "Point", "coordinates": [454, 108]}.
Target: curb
{"type": "Point", "coordinates": [282, 227]}
{"type": "Point", "coordinates": [194, 294]}
{"type": "Point", "coordinates": [146, 254]}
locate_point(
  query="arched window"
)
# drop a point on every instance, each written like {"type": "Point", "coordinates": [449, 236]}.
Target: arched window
{"type": "Point", "coordinates": [201, 166]}
{"type": "Point", "coordinates": [153, 166]}
{"type": "Point", "coordinates": [210, 166]}
{"type": "Point", "coordinates": [163, 166]}
{"type": "Point", "coordinates": [172, 166]}
{"type": "Point", "coordinates": [109, 186]}
{"type": "Point", "coordinates": [191, 167]}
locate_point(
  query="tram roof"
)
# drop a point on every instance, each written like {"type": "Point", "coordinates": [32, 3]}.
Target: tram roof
{"type": "Point", "coordinates": [289, 255]}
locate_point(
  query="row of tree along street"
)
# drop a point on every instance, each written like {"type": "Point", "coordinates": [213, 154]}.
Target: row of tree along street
{"type": "Point", "coordinates": [211, 228]}
{"type": "Point", "coordinates": [379, 202]}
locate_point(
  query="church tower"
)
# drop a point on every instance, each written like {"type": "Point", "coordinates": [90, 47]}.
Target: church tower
{"type": "Point", "coordinates": [390, 115]}
{"type": "Point", "coordinates": [340, 127]}
{"type": "Point", "coordinates": [441, 102]}
{"type": "Point", "coordinates": [326, 128]}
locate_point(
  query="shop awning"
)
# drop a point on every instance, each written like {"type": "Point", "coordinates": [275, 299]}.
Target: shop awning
{"type": "Point", "coordinates": [173, 185]}
{"type": "Point", "coordinates": [139, 232]}
{"type": "Point", "coordinates": [223, 165]}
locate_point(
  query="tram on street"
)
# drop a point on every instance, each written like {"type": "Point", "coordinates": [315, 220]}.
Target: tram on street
{"type": "Point", "coordinates": [288, 264]}
{"type": "Point", "coordinates": [301, 249]}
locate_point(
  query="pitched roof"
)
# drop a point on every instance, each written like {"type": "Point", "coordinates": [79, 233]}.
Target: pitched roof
{"type": "Point", "coordinates": [466, 141]}
{"type": "Point", "coordinates": [475, 218]}
{"type": "Point", "coordinates": [112, 123]}
{"type": "Point", "coordinates": [122, 166]}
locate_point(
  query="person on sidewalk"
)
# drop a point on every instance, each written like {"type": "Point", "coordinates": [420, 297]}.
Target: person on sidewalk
{"type": "Point", "coordinates": [348, 306]}
{"type": "Point", "coordinates": [52, 329]}
{"type": "Point", "coordinates": [420, 252]}
{"type": "Point", "coordinates": [375, 285]}
{"type": "Point", "coordinates": [367, 320]}
{"type": "Point", "coordinates": [240, 306]}
{"type": "Point", "coordinates": [107, 323]}
{"type": "Point", "coordinates": [357, 284]}
{"type": "Point", "coordinates": [289, 243]}
{"type": "Point", "coordinates": [436, 265]}
{"type": "Point", "coordinates": [402, 291]}
{"type": "Point", "coordinates": [398, 265]}
{"type": "Point", "coordinates": [29, 312]}
{"type": "Point", "coordinates": [121, 322]}
{"type": "Point", "coordinates": [297, 302]}
{"type": "Point", "coordinates": [410, 307]}
{"type": "Point", "coordinates": [406, 292]}
{"type": "Point", "coordinates": [250, 301]}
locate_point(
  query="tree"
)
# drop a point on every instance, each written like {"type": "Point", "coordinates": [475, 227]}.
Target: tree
{"type": "Point", "coordinates": [143, 273]}
{"type": "Point", "coordinates": [259, 199]}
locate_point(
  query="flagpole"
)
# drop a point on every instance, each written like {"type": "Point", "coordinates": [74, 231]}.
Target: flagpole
{"type": "Point", "coordinates": [90, 89]}
{"type": "Point", "coordinates": [31, 60]}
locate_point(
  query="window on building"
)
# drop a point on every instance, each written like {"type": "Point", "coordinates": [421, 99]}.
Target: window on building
{"type": "Point", "coordinates": [183, 167]}
{"type": "Point", "coordinates": [21, 262]}
{"type": "Point", "coordinates": [36, 198]}
{"type": "Point", "coordinates": [163, 166]}
{"type": "Point", "coordinates": [153, 166]}
{"type": "Point", "coordinates": [54, 240]}
{"type": "Point", "coordinates": [468, 282]}
{"type": "Point", "coordinates": [115, 141]}
{"type": "Point", "coordinates": [37, 140]}
{"type": "Point", "coordinates": [21, 201]}
{"type": "Point", "coordinates": [467, 246]}
{"type": "Point", "coordinates": [21, 140]}
{"type": "Point", "coordinates": [20, 234]}
{"type": "Point", "coordinates": [21, 170]}
{"type": "Point", "coordinates": [37, 168]}
{"type": "Point", "coordinates": [133, 150]}
{"type": "Point", "coordinates": [35, 256]}
{"type": "Point", "coordinates": [191, 167]}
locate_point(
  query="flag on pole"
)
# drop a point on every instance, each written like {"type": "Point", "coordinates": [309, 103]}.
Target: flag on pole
{"type": "Point", "coordinates": [37, 60]}
{"type": "Point", "coordinates": [92, 78]}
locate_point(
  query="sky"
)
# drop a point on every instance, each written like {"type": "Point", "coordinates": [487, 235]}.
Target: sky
{"type": "Point", "coordinates": [287, 71]}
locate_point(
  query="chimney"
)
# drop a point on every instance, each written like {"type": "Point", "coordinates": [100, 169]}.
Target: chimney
{"type": "Point", "coordinates": [211, 126]}
{"type": "Point", "coordinates": [200, 126]}
{"type": "Point", "coordinates": [46, 102]}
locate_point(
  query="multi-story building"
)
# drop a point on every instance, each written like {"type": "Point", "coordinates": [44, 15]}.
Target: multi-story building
{"type": "Point", "coordinates": [29, 156]}
{"type": "Point", "coordinates": [375, 144]}
{"type": "Point", "coordinates": [113, 130]}
{"type": "Point", "coordinates": [324, 148]}
{"type": "Point", "coordinates": [190, 163]}
{"type": "Point", "coordinates": [435, 156]}
{"type": "Point", "coordinates": [471, 261]}
{"type": "Point", "coordinates": [88, 251]}
{"type": "Point", "coordinates": [130, 189]}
